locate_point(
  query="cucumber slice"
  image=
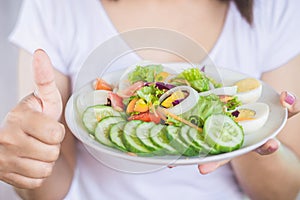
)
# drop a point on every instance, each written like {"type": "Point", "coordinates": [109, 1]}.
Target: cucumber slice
{"type": "Point", "coordinates": [181, 147]}
{"type": "Point", "coordinates": [159, 138]}
{"type": "Point", "coordinates": [103, 128]}
{"type": "Point", "coordinates": [198, 140]}
{"type": "Point", "coordinates": [221, 132]}
{"type": "Point", "coordinates": [115, 135]}
{"type": "Point", "coordinates": [143, 134]}
{"type": "Point", "coordinates": [186, 139]}
{"type": "Point", "coordinates": [132, 143]}
{"type": "Point", "coordinates": [92, 115]}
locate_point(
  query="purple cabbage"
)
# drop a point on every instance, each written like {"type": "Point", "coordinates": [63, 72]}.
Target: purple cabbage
{"type": "Point", "coordinates": [176, 102]}
{"type": "Point", "coordinates": [235, 113]}
{"type": "Point", "coordinates": [203, 69]}
{"type": "Point", "coordinates": [164, 86]}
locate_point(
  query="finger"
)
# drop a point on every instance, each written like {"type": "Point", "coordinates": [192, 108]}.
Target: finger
{"type": "Point", "coordinates": [46, 89]}
{"type": "Point", "coordinates": [29, 168]}
{"type": "Point", "coordinates": [33, 168]}
{"type": "Point", "coordinates": [36, 150]}
{"type": "Point", "coordinates": [43, 73]}
{"type": "Point", "coordinates": [43, 128]}
{"type": "Point", "coordinates": [22, 145]}
{"type": "Point", "coordinates": [269, 147]}
{"type": "Point", "coordinates": [40, 151]}
{"type": "Point", "coordinates": [210, 167]}
{"type": "Point", "coordinates": [289, 101]}
{"type": "Point", "coordinates": [22, 182]}
{"type": "Point", "coordinates": [35, 124]}
{"type": "Point", "coordinates": [26, 167]}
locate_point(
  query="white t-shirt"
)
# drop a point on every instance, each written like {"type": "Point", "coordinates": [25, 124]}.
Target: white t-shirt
{"type": "Point", "coordinates": [69, 30]}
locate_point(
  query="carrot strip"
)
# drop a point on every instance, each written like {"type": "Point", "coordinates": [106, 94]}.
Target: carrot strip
{"type": "Point", "coordinates": [166, 112]}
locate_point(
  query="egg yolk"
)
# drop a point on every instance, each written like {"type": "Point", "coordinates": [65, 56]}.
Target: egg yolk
{"type": "Point", "coordinates": [168, 102]}
{"type": "Point", "coordinates": [247, 84]}
{"type": "Point", "coordinates": [245, 114]}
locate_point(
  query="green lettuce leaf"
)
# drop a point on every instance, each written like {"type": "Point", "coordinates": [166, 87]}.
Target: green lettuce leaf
{"type": "Point", "coordinates": [196, 79]}
{"type": "Point", "coordinates": [232, 104]}
{"type": "Point", "coordinates": [150, 94]}
{"type": "Point", "coordinates": [144, 73]}
{"type": "Point", "coordinates": [206, 106]}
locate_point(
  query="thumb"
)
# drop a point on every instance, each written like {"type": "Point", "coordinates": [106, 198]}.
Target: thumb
{"type": "Point", "coordinates": [46, 90]}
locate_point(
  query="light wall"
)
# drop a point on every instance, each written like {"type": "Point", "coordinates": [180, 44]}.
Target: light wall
{"type": "Point", "coordinates": [8, 56]}
{"type": "Point", "coordinates": [8, 71]}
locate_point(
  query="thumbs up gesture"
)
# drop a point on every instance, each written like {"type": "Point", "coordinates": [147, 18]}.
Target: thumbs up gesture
{"type": "Point", "coordinates": [30, 135]}
{"type": "Point", "coordinates": [46, 91]}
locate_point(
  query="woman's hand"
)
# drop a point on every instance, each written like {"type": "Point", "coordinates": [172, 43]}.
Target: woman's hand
{"type": "Point", "coordinates": [289, 101]}
{"type": "Point", "coordinates": [30, 135]}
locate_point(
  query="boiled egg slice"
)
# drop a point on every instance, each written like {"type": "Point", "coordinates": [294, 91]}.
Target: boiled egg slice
{"type": "Point", "coordinates": [91, 98]}
{"type": "Point", "coordinates": [252, 116]}
{"type": "Point", "coordinates": [186, 104]}
{"type": "Point", "coordinates": [248, 90]}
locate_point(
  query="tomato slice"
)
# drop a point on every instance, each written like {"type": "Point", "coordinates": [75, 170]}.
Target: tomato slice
{"type": "Point", "coordinates": [146, 117]}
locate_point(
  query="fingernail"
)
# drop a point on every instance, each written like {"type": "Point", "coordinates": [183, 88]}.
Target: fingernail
{"type": "Point", "coordinates": [290, 98]}
{"type": "Point", "coordinates": [272, 149]}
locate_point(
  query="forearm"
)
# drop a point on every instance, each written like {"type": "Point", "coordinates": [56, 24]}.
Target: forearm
{"type": "Point", "coordinates": [276, 176]}
{"type": "Point", "coordinates": [56, 186]}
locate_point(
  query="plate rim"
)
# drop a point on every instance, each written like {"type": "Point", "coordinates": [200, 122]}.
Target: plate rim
{"type": "Point", "coordinates": [156, 160]}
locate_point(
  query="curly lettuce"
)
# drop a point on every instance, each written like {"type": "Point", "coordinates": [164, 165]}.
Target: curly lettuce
{"type": "Point", "coordinates": [196, 78]}
{"type": "Point", "coordinates": [206, 106]}
{"type": "Point", "coordinates": [150, 94]}
{"type": "Point", "coordinates": [232, 104]}
{"type": "Point", "coordinates": [144, 73]}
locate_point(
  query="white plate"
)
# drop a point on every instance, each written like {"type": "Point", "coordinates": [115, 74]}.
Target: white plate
{"type": "Point", "coordinates": [277, 119]}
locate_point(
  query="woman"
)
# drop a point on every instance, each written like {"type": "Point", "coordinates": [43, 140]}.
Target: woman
{"type": "Point", "coordinates": [263, 45]}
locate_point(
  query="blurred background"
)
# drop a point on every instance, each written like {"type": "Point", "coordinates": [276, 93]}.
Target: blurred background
{"type": "Point", "coordinates": [8, 55]}
{"type": "Point", "coordinates": [8, 70]}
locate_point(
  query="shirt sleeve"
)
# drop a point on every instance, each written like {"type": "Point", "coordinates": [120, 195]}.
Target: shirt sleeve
{"type": "Point", "coordinates": [35, 30]}
{"type": "Point", "coordinates": [280, 31]}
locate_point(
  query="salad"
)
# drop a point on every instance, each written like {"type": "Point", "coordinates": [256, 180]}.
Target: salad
{"type": "Point", "coordinates": [160, 112]}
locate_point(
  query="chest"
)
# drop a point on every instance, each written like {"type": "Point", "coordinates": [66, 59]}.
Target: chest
{"type": "Point", "coordinates": [199, 21]}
